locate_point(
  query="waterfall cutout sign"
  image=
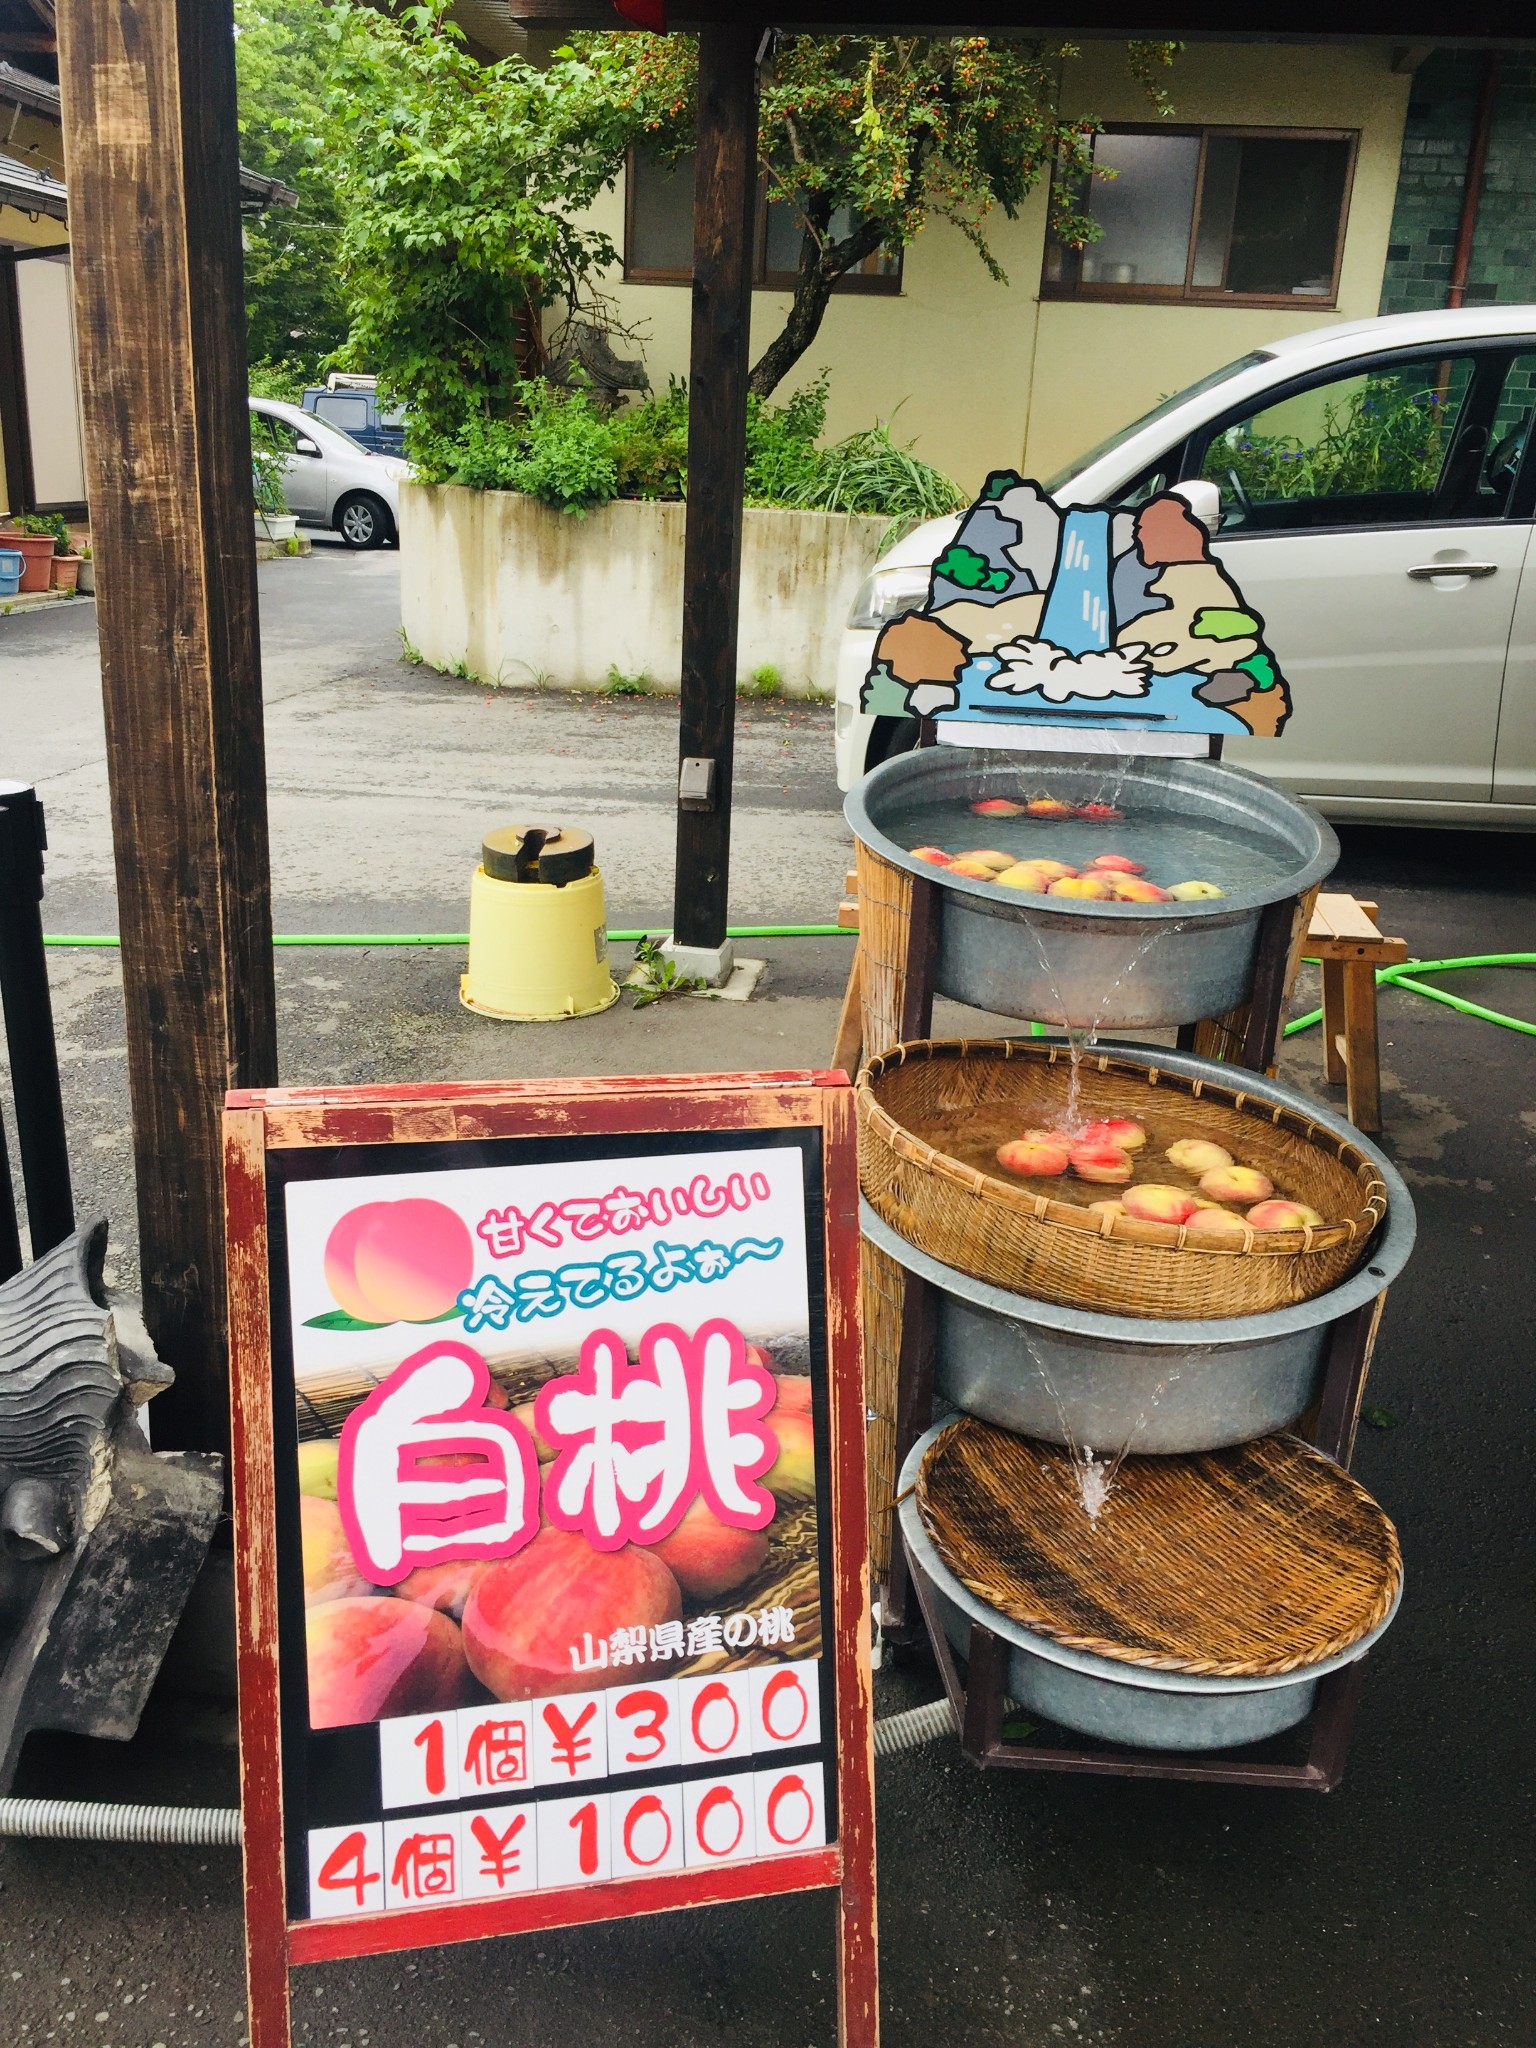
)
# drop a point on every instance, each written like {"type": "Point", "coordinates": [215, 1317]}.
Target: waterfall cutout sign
{"type": "Point", "coordinates": [1044, 616]}
{"type": "Point", "coordinates": [549, 1508]}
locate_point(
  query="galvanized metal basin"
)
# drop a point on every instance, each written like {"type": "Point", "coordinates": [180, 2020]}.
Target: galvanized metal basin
{"type": "Point", "coordinates": [1059, 1373]}
{"type": "Point", "coordinates": [1116, 966]}
{"type": "Point", "coordinates": [1073, 1375]}
{"type": "Point", "coordinates": [1116, 1702]}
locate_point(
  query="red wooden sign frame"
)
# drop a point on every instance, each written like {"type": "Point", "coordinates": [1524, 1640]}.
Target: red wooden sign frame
{"type": "Point", "coordinates": [258, 1122]}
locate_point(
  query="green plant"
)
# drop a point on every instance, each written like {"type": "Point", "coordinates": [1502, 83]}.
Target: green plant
{"type": "Point", "coordinates": [764, 681]}
{"type": "Point", "coordinates": [277, 380]}
{"type": "Point", "coordinates": [269, 465]}
{"type": "Point", "coordinates": [464, 192]}
{"type": "Point", "coordinates": [409, 651]}
{"type": "Point", "coordinates": [621, 685]}
{"type": "Point", "coordinates": [46, 522]}
{"type": "Point", "coordinates": [293, 545]}
{"type": "Point", "coordinates": [295, 295]}
{"type": "Point", "coordinates": [650, 445]}
{"type": "Point", "coordinates": [654, 978]}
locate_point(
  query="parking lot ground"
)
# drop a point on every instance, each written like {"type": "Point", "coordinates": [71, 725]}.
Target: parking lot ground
{"type": "Point", "coordinates": [1016, 1911]}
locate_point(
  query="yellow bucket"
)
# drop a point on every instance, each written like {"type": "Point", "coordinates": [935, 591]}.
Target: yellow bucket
{"type": "Point", "coordinates": [537, 952]}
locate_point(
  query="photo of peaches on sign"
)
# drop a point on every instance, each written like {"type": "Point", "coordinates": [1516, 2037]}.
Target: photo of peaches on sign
{"type": "Point", "coordinates": [558, 1518]}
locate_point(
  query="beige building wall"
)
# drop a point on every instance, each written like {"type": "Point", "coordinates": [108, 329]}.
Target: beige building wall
{"type": "Point", "coordinates": [39, 143]}
{"type": "Point", "coordinates": [981, 375]}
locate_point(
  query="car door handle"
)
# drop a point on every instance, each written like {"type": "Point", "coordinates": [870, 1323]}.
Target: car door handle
{"type": "Point", "coordinates": [1427, 570]}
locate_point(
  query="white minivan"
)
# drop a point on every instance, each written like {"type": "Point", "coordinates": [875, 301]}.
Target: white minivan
{"type": "Point", "coordinates": [1377, 495]}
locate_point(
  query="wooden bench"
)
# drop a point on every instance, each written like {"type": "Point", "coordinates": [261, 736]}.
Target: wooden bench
{"type": "Point", "coordinates": [1343, 935]}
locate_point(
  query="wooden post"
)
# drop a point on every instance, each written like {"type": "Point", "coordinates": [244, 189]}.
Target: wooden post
{"type": "Point", "coordinates": [150, 140]}
{"type": "Point", "coordinates": [724, 236]}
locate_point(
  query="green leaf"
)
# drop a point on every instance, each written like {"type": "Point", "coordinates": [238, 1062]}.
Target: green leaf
{"type": "Point", "coordinates": [1379, 1418]}
{"type": "Point", "coordinates": [449, 1315]}
{"type": "Point", "coordinates": [338, 1319]}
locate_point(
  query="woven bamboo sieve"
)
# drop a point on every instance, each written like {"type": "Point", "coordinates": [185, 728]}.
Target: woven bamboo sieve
{"type": "Point", "coordinates": [920, 1103]}
{"type": "Point", "coordinates": [1246, 1563]}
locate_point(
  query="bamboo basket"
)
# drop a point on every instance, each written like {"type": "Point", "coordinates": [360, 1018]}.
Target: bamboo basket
{"type": "Point", "coordinates": [1253, 1562]}
{"type": "Point", "coordinates": [922, 1104]}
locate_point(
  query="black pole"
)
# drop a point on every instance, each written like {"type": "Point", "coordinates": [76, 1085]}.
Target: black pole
{"type": "Point", "coordinates": [724, 234]}
{"type": "Point", "coordinates": [29, 1020]}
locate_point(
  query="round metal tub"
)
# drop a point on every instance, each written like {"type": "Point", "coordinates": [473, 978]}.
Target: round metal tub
{"type": "Point", "coordinates": [1116, 1702]}
{"type": "Point", "coordinates": [1071, 1375]}
{"type": "Point", "coordinates": [1079, 963]}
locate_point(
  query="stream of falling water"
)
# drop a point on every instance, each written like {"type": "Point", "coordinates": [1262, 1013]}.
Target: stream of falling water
{"type": "Point", "coordinates": [1080, 1036]}
{"type": "Point", "coordinates": [1094, 1471]}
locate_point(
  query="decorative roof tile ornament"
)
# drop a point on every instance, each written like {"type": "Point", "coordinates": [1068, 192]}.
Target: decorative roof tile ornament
{"type": "Point", "coordinates": [100, 1537]}
{"type": "Point", "coordinates": [1040, 615]}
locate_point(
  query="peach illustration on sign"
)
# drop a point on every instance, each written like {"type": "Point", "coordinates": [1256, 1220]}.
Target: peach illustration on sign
{"type": "Point", "coordinates": [525, 1614]}
{"type": "Point", "coordinates": [399, 1262]}
{"type": "Point", "coordinates": [371, 1658]}
{"type": "Point", "coordinates": [707, 1556]}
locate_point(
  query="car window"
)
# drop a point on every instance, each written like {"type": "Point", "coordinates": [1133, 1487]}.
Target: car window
{"type": "Point", "coordinates": [1510, 433]}
{"type": "Point", "coordinates": [1390, 444]}
{"type": "Point", "coordinates": [1159, 411]}
{"type": "Point", "coordinates": [270, 431]}
{"type": "Point", "coordinates": [348, 413]}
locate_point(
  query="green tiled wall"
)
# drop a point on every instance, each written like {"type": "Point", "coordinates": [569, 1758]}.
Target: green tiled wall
{"type": "Point", "coordinates": [1435, 145]}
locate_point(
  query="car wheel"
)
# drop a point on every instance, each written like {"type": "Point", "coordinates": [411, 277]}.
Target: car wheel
{"type": "Point", "coordinates": [890, 736]}
{"type": "Point", "coordinates": [363, 522]}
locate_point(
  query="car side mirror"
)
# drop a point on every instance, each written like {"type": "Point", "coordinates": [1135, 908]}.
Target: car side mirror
{"type": "Point", "coordinates": [1204, 500]}
{"type": "Point", "coordinates": [304, 446]}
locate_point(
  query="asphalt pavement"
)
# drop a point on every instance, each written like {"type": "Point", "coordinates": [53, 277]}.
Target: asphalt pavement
{"type": "Point", "coordinates": [1016, 1911]}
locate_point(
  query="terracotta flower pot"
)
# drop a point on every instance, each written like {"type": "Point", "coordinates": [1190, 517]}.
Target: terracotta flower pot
{"type": "Point", "coordinates": [66, 571]}
{"type": "Point", "coordinates": [37, 567]}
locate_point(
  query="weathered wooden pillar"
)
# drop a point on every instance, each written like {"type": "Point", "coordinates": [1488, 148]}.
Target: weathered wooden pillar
{"type": "Point", "coordinates": [724, 232]}
{"type": "Point", "coordinates": [151, 148]}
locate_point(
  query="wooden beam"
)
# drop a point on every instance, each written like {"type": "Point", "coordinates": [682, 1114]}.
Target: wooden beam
{"type": "Point", "coordinates": [724, 218]}
{"type": "Point", "coordinates": [150, 138]}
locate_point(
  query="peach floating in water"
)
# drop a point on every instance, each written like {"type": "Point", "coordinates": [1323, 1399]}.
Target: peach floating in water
{"type": "Point", "coordinates": [1236, 1184]}
{"type": "Point", "coordinates": [1197, 1156]}
{"type": "Point", "coordinates": [1117, 863]}
{"type": "Point", "coordinates": [1086, 888]}
{"type": "Point", "coordinates": [1123, 1131]}
{"type": "Point", "coordinates": [1194, 892]}
{"type": "Point", "coordinates": [1048, 807]}
{"type": "Point", "coordinates": [934, 855]}
{"type": "Point", "coordinates": [1100, 1162]}
{"type": "Point", "coordinates": [1152, 1202]}
{"type": "Point", "coordinates": [1031, 1156]}
{"type": "Point", "coordinates": [1283, 1215]}
{"type": "Point", "coordinates": [997, 807]}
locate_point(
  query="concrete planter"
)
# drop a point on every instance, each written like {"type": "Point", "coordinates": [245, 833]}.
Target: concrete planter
{"type": "Point", "coordinates": [512, 591]}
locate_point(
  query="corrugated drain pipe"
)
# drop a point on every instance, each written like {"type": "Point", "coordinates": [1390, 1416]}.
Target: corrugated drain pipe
{"type": "Point", "coordinates": [218, 1827]}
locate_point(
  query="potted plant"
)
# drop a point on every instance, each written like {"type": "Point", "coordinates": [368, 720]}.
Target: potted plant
{"type": "Point", "coordinates": [273, 519]}
{"type": "Point", "coordinates": [36, 535]}
{"type": "Point", "coordinates": [66, 562]}
{"type": "Point", "coordinates": [85, 582]}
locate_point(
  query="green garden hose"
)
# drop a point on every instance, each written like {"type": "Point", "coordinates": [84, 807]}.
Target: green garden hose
{"type": "Point", "coordinates": [1405, 974]}
{"type": "Point", "coordinates": [1402, 976]}
{"type": "Point", "coordinates": [735, 931]}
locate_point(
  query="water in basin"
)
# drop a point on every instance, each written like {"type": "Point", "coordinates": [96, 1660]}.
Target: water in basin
{"type": "Point", "coordinates": [1172, 846]}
